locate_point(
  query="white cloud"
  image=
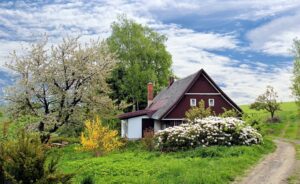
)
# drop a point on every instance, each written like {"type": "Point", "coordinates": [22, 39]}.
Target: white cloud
{"type": "Point", "coordinates": [247, 10]}
{"type": "Point", "coordinates": [242, 82]}
{"type": "Point", "coordinates": [205, 41]}
{"type": "Point", "coordinates": [191, 50]}
{"type": "Point", "coordinates": [276, 37]}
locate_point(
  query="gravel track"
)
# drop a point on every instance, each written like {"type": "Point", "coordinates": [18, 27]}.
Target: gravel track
{"type": "Point", "coordinates": [275, 168]}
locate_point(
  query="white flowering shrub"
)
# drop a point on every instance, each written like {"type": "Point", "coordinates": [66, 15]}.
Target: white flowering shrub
{"type": "Point", "coordinates": [205, 132]}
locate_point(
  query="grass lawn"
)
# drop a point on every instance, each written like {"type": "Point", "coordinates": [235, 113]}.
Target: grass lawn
{"type": "Point", "coordinates": [214, 164]}
{"type": "Point", "coordinates": [204, 165]}
{"type": "Point", "coordinates": [135, 165]}
{"type": "Point", "coordinates": [289, 125]}
{"type": "Point", "coordinates": [295, 178]}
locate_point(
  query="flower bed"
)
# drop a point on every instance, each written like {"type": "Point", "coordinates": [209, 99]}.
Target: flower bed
{"type": "Point", "coordinates": [205, 132]}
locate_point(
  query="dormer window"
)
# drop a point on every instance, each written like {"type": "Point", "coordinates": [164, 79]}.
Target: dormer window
{"type": "Point", "coordinates": [193, 102]}
{"type": "Point", "coordinates": [211, 102]}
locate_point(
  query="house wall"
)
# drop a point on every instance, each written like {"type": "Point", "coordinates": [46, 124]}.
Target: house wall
{"type": "Point", "coordinates": [201, 90]}
{"type": "Point", "coordinates": [184, 105]}
{"type": "Point", "coordinates": [157, 125]}
{"type": "Point", "coordinates": [202, 86]}
{"type": "Point", "coordinates": [134, 127]}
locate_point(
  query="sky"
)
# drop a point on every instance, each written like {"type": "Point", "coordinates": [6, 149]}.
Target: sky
{"type": "Point", "coordinates": [243, 45]}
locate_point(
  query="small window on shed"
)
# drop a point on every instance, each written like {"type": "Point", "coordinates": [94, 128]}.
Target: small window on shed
{"type": "Point", "coordinates": [211, 102]}
{"type": "Point", "coordinates": [193, 102]}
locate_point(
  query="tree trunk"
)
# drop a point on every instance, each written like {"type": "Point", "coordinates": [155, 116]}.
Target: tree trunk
{"type": "Point", "coordinates": [273, 118]}
{"type": "Point", "coordinates": [137, 106]}
{"type": "Point", "coordinates": [272, 115]}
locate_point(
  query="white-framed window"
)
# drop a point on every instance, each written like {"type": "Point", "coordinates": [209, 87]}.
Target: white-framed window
{"type": "Point", "coordinates": [211, 102]}
{"type": "Point", "coordinates": [193, 102]}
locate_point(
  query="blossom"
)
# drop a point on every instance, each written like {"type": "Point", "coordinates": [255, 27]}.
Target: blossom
{"type": "Point", "coordinates": [208, 131]}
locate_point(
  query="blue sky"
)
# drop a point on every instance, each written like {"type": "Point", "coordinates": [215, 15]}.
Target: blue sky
{"type": "Point", "coordinates": [243, 45]}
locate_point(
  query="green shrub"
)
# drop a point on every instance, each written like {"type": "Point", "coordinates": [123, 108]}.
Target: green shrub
{"type": "Point", "coordinates": [25, 162]}
{"type": "Point", "coordinates": [87, 180]}
{"type": "Point", "coordinates": [71, 130]}
{"type": "Point", "coordinates": [253, 120]}
{"type": "Point", "coordinates": [1, 162]}
{"type": "Point", "coordinates": [148, 139]}
{"type": "Point", "coordinates": [15, 124]}
{"type": "Point", "coordinates": [229, 113]}
{"type": "Point", "coordinates": [198, 112]}
{"type": "Point", "coordinates": [61, 139]}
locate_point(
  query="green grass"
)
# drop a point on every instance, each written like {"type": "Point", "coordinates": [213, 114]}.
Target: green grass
{"type": "Point", "coordinates": [295, 177]}
{"type": "Point", "coordinates": [217, 164]}
{"type": "Point", "coordinates": [135, 165]}
{"type": "Point", "coordinates": [285, 106]}
{"type": "Point", "coordinates": [289, 125]}
{"type": "Point", "coordinates": [2, 114]}
{"type": "Point", "coordinates": [15, 125]}
{"type": "Point", "coordinates": [298, 151]}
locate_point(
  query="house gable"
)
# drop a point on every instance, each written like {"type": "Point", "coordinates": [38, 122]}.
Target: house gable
{"type": "Point", "coordinates": [202, 85]}
{"type": "Point", "coordinates": [202, 88]}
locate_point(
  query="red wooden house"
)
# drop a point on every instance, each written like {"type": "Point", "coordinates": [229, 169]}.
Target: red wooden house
{"type": "Point", "coordinates": [169, 106]}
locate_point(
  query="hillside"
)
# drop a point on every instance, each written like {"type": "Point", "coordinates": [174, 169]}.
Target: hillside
{"type": "Point", "coordinates": [286, 107]}
{"type": "Point", "coordinates": [289, 125]}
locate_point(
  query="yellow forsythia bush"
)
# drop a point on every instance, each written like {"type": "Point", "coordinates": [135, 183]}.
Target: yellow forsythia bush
{"type": "Point", "coordinates": [99, 138]}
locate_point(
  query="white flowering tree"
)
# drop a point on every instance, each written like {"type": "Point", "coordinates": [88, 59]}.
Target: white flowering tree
{"type": "Point", "coordinates": [267, 101]}
{"type": "Point", "coordinates": [61, 84]}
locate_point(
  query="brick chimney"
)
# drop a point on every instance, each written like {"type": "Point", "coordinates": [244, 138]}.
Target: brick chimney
{"type": "Point", "coordinates": [171, 81]}
{"type": "Point", "coordinates": [150, 93]}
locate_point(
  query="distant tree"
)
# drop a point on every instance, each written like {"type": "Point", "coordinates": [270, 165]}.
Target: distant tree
{"type": "Point", "coordinates": [267, 101]}
{"type": "Point", "coordinates": [143, 58]}
{"type": "Point", "coordinates": [198, 112]}
{"type": "Point", "coordinates": [61, 85]}
{"type": "Point", "coordinates": [296, 72]}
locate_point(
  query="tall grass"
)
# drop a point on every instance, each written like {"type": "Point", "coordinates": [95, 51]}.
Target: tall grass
{"type": "Point", "coordinates": [133, 164]}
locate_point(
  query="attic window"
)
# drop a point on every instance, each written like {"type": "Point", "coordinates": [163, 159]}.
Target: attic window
{"type": "Point", "coordinates": [211, 102]}
{"type": "Point", "coordinates": [193, 102]}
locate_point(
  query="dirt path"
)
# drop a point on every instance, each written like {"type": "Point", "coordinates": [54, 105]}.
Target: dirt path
{"type": "Point", "coordinates": [275, 168]}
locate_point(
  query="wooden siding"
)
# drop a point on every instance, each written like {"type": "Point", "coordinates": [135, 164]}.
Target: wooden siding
{"type": "Point", "coordinates": [184, 105]}
{"type": "Point", "coordinates": [202, 85]}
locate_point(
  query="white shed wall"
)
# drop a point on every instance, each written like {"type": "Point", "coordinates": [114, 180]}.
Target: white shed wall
{"type": "Point", "coordinates": [135, 127]}
{"type": "Point", "coordinates": [124, 128]}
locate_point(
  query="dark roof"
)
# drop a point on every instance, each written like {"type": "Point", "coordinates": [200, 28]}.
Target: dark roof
{"type": "Point", "coordinates": [170, 96]}
{"type": "Point", "coordinates": [136, 113]}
